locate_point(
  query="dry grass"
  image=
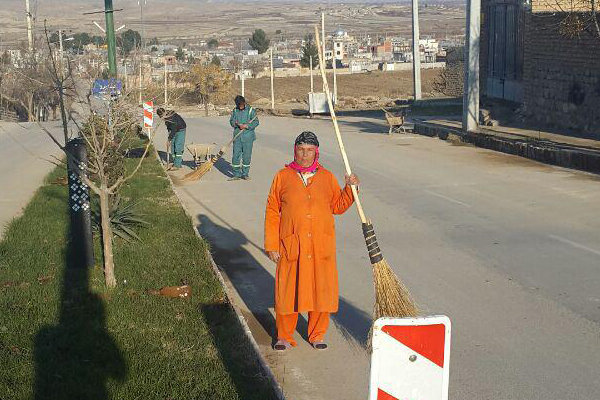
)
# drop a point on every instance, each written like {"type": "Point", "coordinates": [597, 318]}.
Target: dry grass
{"type": "Point", "coordinates": [366, 86]}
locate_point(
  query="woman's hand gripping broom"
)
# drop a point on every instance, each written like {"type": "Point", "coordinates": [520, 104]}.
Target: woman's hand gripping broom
{"type": "Point", "coordinates": [392, 299]}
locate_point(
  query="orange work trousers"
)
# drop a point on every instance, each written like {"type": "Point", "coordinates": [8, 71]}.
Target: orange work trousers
{"type": "Point", "coordinates": [318, 322]}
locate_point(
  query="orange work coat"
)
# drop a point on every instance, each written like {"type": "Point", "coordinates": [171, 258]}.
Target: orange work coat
{"type": "Point", "coordinates": [299, 225]}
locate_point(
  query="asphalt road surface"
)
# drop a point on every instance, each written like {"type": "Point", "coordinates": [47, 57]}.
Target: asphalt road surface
{"type": "Point", "coordinates": [509, 249]}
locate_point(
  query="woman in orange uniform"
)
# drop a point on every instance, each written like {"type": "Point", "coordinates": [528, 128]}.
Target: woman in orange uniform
{"type": "Point", "coordinates": [300, 238]}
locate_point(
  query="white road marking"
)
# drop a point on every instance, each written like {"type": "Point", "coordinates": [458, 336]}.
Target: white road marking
{"type": "Point", "coordinates": [575, 244]}
{"type": "Point", "coordinates": [450, 199]}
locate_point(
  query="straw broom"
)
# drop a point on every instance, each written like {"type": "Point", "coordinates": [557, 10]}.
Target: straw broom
{"type": "Point", "coordinates": [199, 172]}
{"type": "Point", "coordinates": [392, 298]}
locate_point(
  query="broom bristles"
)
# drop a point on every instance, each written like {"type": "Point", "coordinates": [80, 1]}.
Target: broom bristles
{"type": "Point", "coordinates": [392, 298]}
{"type": "Point", "coordinates": [199, 172]}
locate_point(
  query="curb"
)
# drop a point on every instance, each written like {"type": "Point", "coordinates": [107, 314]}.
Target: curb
{"type": "Point", "coordinates": [263, 363]}
{"type": "Point", "coordinates": [545, 151]}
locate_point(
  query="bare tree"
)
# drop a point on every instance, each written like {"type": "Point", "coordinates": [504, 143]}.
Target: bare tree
{"type": "Point", "coordinates": [108, 133]}
{"type": "Point", "coordinates": [578, 16]}
{"type": "Point", "coordinates": [27, 84]}
{"type": "Point", "coordinates": [210, 83]}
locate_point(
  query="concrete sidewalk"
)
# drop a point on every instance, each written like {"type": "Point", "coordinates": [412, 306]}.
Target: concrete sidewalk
{"type": "Point", "coordinates": [24, 154]}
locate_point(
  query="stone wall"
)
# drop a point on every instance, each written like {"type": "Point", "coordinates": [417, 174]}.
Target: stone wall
{"type": "Point", "coordinates": [450, 81]}
{"type": "Point", "coordinates": [561, 77]}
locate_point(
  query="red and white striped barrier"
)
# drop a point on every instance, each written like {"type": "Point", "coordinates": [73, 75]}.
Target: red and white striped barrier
{"type": "Point", "coordinates": [410, 359]}
{"type": "Point", "coordinates": [148, 114]}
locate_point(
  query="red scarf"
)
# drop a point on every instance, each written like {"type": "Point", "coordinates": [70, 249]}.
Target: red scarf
{"type": "Point", "coordinates": [297, 167]}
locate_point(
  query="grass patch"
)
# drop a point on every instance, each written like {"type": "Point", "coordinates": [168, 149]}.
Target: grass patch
{"type": "Point", "coordinates": [64, 336]}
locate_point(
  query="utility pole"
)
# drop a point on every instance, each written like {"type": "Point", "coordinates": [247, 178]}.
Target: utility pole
{"type": "Point", "coordinates": [140, 80]}
{"type": "Point", "coordinates": [166, 83]}
{"type": "Point", "coordinates": [243, 77]}
{"type": "Point", "coordinates": [142, 3]}
{"type": "Point", "coordinates": [110, 38]}
{"type": "Point", "coordinates": [323, 39]}
{"type": "Point", "coordinates": [60, 42]}
{"type": "Point", "coordinates": [142, 45]}
{"type": "Point", "coordinates": [312, 82]}
{"type": "Point", "coordinates": [416, 50]}
{"type": "Point", "coordinates": [272, 89]}
{"type": "Point", "coordinates": [471, 81]}
{"type": "Point", "coordinates": [334, 61]}
{"type": "Point", "coordinates": [29, 26]}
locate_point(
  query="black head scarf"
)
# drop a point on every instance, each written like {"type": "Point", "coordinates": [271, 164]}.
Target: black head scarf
{"type": "Point", "coordinates": [307, 137]}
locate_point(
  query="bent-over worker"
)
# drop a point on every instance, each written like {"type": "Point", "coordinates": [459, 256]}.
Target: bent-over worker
{"type": "Point", "coordinates": [176, 127]}
{"type": "Point", "coordinates": [300, 238]}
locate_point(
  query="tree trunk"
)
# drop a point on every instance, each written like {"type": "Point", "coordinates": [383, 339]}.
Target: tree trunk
{"type": "Point", "coordinates": [30, 110]}
{"type": "Point", "coordinates": [109, 265]}
{"type": "Point", "coordinates": [63, 114]}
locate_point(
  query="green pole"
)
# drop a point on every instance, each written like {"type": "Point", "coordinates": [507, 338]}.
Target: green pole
{"type": "Point", "coordinates": [110, 39]}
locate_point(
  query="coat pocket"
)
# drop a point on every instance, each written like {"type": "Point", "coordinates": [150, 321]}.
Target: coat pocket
{"type": "Point", "coordinates": [291, 247]}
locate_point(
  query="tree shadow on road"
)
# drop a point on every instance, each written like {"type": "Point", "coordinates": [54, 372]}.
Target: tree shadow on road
{"type": "Point", "coordinates": [76, 358]}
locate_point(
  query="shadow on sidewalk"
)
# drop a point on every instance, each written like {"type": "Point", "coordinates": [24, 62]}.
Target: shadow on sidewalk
{"type": "Point", "coordinates": [224, 167]}
{"type": "Point", "coordinates": [254, 284]}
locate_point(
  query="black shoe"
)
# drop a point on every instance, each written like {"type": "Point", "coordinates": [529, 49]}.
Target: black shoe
{"type": "Point", "coordinates": [246, 178]}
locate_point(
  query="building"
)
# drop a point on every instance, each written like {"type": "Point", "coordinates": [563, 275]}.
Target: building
{"type": "Point", "coordinates": [383, 51]}
{"type": "Point", "coordinates": [344, 45]}
{"type": "Point", "coordinates": [529, 56]}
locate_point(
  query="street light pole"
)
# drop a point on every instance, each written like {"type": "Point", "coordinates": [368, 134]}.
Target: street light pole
{"type": "Point", "coordinates": [416, 50]}
{"type": "Point", "coordinates": [471, 81]}
{"type": "Point", "coordinates": [166, 82]}
{"type": "Point", "coordinates": [60, 43]}
{"type": "Point", "coordinates": [243, 77]}
{"type": "Point", "coordinates": [334, 60]}
{"type": "Point", "coordinates": [29, 26]}
{"type": "Point", "coordinates": [110, 38]}
{"type": "Point", "coordinates": [142, 3]}
{"type": "Point", "coordinates": [272, 89]}
{"type": "Point", "coordinates": [312, 83]}
{"type": "Point", "coordinates": [323, 39]}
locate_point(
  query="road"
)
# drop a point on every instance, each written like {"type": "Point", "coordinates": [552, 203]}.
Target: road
{"type": "Point", "coordinates": [508, 248]}
{"type": "Point", "coordinates": [24, 154]}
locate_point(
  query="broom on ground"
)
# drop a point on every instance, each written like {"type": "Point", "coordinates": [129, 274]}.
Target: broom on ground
{"type": "Point", "coordinates": [207, 166]}
{"type": "Point", "coordinates": [392, 298]}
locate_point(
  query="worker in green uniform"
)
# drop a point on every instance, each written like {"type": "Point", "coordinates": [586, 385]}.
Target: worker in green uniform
{"type": "Point", "coordinates": [176, 127]}
{"type": "Point", "coordinates": [242, 117]}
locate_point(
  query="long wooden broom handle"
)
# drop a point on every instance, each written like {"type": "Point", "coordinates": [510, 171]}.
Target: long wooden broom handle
{"type": "Point", "coordinates": [361, 212]}
{"type": "Point", "coordinates": [222, 149]}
